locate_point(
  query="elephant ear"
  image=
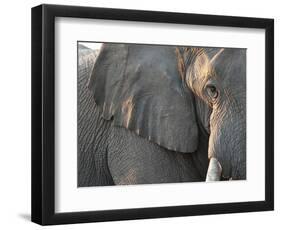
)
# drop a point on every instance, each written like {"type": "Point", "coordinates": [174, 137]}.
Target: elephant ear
{"type": "Point", "coordinates": [140, 87]}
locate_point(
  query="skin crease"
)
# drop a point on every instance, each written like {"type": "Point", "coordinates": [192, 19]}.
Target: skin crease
{"type": "Point", "coordinates": [129, 158]}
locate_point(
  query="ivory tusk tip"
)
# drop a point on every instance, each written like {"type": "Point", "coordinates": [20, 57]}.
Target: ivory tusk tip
{"type": "Point", "coordinates": [214, 170]}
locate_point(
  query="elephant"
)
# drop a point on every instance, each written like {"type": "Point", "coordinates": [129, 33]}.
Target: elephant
{"type": "Point", "coordinates": [152, 114]}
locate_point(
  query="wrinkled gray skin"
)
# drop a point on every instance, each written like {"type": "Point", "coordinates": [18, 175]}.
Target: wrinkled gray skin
{"type": "Point", "coordinates": [150, 114]}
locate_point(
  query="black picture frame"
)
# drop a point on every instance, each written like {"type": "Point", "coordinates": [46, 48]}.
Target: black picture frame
{"type": "Point", "coordinates": [43, 114]}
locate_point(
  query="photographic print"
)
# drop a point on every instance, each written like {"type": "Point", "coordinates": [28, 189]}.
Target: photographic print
{"type": "Point", "coordinates": [136, 113]}
{"type": "Point", "coordinates": [150, 114]}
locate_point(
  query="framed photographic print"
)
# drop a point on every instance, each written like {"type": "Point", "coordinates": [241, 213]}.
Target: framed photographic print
{"type": "Point", "coordinates": [141, 114]}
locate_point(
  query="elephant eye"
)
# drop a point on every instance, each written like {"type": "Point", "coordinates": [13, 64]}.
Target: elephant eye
{"type": "Point", "coordinates": [212, 91]}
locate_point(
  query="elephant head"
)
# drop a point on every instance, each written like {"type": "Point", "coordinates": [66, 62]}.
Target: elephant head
{"type": "Point", "coordinates": [218, 77]}
{"type": "Point", "coordinates": [166, 94]}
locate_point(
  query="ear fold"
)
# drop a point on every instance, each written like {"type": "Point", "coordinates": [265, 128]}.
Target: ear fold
{"type": "Point", "coordinates": [140, 88]}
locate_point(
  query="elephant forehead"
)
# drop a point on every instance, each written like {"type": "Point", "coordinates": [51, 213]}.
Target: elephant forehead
{"type": "Point", "coordinates": [230, 67]}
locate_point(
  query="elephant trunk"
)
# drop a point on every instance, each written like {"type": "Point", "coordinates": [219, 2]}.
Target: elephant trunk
{"type": "Point", "coordinates": [214, 170]}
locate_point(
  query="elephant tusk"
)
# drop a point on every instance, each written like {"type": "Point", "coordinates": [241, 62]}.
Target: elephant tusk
{"type": "Point", "coordinates": [214, 170]}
